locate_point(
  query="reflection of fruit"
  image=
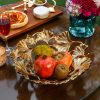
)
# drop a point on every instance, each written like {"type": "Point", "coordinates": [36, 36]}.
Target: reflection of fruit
{"type": "Point", "coordinates": [43, 50]}
{"type": "Point", "coordinates": [44, 66]}
{"type": "Point", "coordinates": [67, 59]}
{"type": "Point", "coordinates": [61, 71]}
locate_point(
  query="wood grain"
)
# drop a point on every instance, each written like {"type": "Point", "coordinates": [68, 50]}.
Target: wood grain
{"type": "Point", "coordinates": [33, 22]}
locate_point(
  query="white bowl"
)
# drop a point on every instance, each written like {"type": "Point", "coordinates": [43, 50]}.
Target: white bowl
{"type": "Point", "coordinates": [37, 4]}
{"type": "Point", "coordinates": [41, 12]}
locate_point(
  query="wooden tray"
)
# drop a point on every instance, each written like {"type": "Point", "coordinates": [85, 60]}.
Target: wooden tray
{"type": "Point", "coordinates": [33, 22]}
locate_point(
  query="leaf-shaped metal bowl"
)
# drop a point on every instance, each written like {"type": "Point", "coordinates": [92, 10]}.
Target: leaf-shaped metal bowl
{"type": "Point", "coordinates": [23, 59]}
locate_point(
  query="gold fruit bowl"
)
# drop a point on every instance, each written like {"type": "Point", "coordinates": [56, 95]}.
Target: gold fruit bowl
{"type": "Point", "coordinates": [23, 60]}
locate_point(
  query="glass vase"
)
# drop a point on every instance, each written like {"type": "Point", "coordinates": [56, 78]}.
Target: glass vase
{"type": "Point", "coordinates": [82, 26]}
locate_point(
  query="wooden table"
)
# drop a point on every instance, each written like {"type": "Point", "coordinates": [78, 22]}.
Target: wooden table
{"type": "Point", "coordinates": [13, 87]}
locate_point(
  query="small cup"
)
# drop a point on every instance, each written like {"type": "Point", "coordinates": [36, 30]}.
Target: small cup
{"type": "Point", "coordinates": [40, 4]}
{"type": "Point", "coordinates": [2, 56]}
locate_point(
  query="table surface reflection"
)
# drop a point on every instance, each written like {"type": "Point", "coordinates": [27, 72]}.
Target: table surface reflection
{"type": "Point", "coordinates": [14, 87]}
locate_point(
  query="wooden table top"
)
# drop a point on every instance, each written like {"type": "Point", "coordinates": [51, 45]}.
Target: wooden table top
{"type": "Point", "coordinates": [13, 87]}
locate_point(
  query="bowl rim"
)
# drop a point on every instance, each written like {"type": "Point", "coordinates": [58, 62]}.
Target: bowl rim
{"type": "Point", "coordinates": [74, 73]}
{"type": "Point", "coordinates": [40, 4]}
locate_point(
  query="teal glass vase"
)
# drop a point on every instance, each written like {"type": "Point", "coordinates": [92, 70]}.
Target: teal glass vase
{"type": "Point", "coordinates": [82, 27]}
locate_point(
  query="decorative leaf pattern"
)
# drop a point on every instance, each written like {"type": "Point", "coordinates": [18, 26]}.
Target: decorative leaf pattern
{"type": "Point", "coordinates": [23, 60]}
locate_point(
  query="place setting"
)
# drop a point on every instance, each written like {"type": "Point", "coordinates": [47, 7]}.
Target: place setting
{"type": "Point", "coordinates": [44, 57]}
{"type": "Point", "coordinates": [34, 14]}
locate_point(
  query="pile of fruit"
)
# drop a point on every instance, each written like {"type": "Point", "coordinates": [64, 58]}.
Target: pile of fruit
{"type": "Point", "coordinates": [50, 64]}
{"type": "Point", "coordinates": [48, 58]}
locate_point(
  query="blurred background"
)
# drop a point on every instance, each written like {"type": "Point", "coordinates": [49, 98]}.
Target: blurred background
{"type": "Point", "coordinates": [59, 2]}
{"type": "Point", "coordinates": [3, 2]}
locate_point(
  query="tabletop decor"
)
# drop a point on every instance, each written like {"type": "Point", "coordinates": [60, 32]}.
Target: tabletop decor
{"type": "Point", "coordinates": [30, 21]}
{"type": "Point", "coordinates": [82, 16]}
{"type": "Point", "coordinates": [47, 58]}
